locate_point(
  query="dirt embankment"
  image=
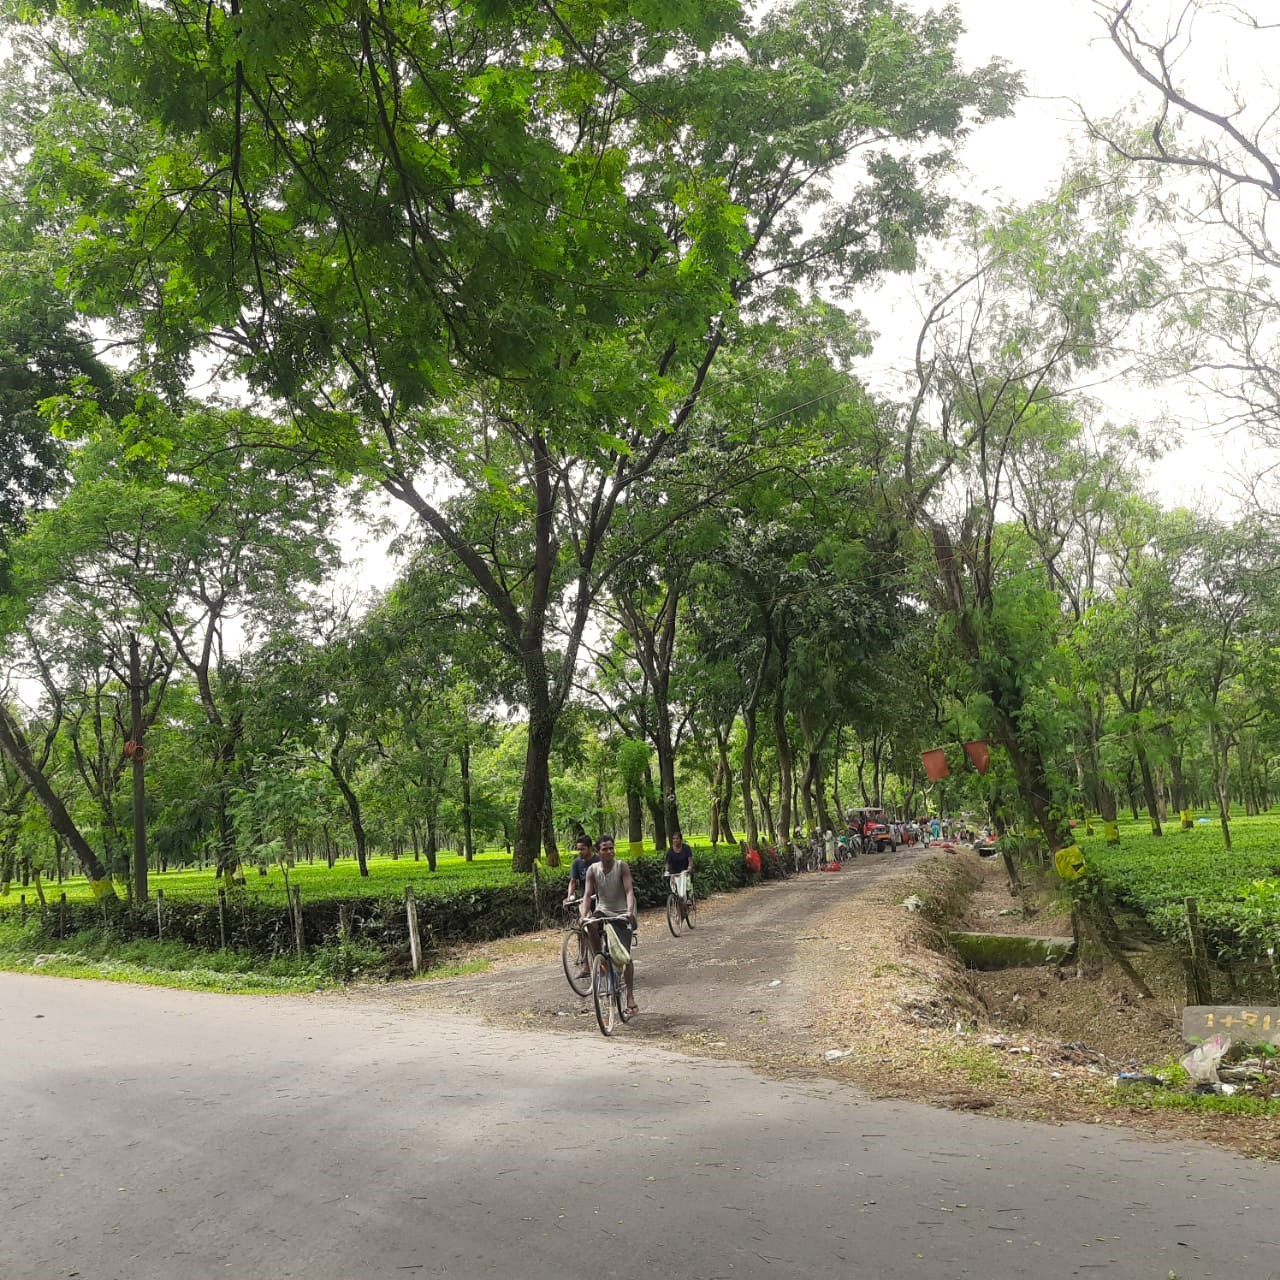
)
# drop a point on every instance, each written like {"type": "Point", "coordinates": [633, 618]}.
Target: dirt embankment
{"type": "Point", "coordinates": [833, 974]}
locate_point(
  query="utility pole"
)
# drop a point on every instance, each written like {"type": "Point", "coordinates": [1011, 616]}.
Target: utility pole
{"type": "Point", "coordinates": [138, 755]}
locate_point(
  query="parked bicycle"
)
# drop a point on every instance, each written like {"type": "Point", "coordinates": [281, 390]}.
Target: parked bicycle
{"type": "Point", "coordinates": [608, 985]}
{"type": "Point", "coordinates": [682, 908]}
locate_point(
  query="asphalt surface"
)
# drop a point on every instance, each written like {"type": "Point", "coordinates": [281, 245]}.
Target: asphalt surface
{"type": "Point", "coordinates": [153, 1135]}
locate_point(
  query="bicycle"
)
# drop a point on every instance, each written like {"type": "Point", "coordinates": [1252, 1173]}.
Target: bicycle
{"type": "Point", "coordinates": [814, 854]}
{"type": "Point", "coordinates": [608, 986]}
{"type": "Point", "coordinates": [575, 952]}
{"type": "Point", "coordinates": [681, 908]}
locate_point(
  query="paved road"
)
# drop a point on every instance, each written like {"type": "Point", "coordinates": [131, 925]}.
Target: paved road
{"type": "Point", "coordinates": [158, 1135]}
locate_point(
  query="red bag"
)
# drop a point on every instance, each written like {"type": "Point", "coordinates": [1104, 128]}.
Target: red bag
{"type": "Point", "coordinates": [751, 860]}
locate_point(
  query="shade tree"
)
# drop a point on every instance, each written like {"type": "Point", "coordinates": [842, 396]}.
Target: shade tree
{"type": "Point", "coordinates": [505, 247]}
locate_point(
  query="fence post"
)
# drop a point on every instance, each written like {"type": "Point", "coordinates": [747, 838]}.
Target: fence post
{"type": "Point", "coordinates": [415, 939]}
{"type": "Point", "coordinates": [537, 908]}
{"type": "Point", "coordinates": [344, 922]}
{"type": "Point", "coordinates": [1197, 972]}
{"type": "Point", "coordinates": [62, 915]}
{"type": "Point", "coordinates": [22, 907]}
{"type": "Point", "coordinates": [298, 937]}
{"type": "Point", "coordinates": [222, 916]}
{"type": "Point", "coordinates": [160, 913]}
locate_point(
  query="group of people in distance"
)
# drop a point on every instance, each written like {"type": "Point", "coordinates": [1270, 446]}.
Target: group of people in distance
{"type": "Point", "coordinates": [605, 883]}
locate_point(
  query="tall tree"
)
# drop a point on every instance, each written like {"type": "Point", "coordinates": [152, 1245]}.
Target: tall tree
{"type": "Point", "coordinates": [1048, 296]}
{"type": "Point", "coordinates": [506, 246]}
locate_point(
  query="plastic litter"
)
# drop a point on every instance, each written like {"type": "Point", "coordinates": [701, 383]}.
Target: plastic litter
{"type": "Point", "coordinates": [1201, 1064]}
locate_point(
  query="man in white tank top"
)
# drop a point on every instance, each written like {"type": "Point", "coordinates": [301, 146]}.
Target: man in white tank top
{"type": "Point", "coordinates": [608, 887]}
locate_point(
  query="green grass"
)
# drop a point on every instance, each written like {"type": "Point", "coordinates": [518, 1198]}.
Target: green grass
{"type": "Point", "coordinates": [1150, 1098]}
{"type": "Point", "coordinates": [387, 878]}
{"type": "Point", "coordinates": [94, 954]}
{"type": "Point", "coordinates": [478, 893]}
{"type": "Point", "coordinates": [1238, 893]}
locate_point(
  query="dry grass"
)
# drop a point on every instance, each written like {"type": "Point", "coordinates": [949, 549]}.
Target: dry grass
{"type": "Point", "coordinates": [1028, 1043]}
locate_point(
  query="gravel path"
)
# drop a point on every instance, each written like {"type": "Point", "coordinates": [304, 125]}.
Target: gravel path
{"type": "Point", "coordinates": [736, 985]}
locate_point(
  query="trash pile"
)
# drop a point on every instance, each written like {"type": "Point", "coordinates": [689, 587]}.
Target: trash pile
{"type": "Point", "coordinates": [1218, 1066]}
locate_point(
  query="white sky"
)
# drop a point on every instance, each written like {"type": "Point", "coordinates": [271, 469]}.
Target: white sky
{"type": "Point", "coordinates": [1066, 55]}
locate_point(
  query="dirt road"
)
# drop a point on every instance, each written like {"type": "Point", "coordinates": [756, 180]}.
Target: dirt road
{"type": "Point", "coordinates": [739, 984]}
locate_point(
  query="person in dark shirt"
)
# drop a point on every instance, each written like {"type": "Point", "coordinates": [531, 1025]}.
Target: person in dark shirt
{"type": "Point", "coordinates": [680, 866]}
{"type": "Point", "coordinates": [585, 856]}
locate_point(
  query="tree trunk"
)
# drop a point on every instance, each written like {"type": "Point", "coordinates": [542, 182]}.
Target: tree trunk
{"type": "Point", "coordinates": [766, 809]}
{"type": "Point", "coordinates": [665, 745]}
{"type": "Point", "coordinates": [657, 814]}
{"type": "Point", "coordinates": [1149, 791]}
{"type": "Point", "coordinates": [537, 766]}
{"type": "Point", "coordinates": [1179, 787]}
{"type": "Point", "coordinates": [1222, 783]}
{"type": "Point", "coordinates": [353, 809]}
{"type": "Point", "coordinates": [1131, 787]}
{"type": "Point", "coordinates": [139, 773]}
{"type": "Point", "coordinates": [717, 790]}
{"type": "Point", "coordinates": [725, 796]}
{"type": "Point", "coordinates": [432, 842]}
{"type": "Point", "coordinates": [635, 819]}
{"type": "Point", "coordinates": [783, 741]}
{"type": "Point", "coordinates": [549, 846]}
{"type": "Point", "coordinates": [747, 779]}
{"type": "Point", "coordinates": [468, 830]}
{"type": "Point", "coordinates": [14, 745]}
{"type": "Point", "coordinates": [836, 801]}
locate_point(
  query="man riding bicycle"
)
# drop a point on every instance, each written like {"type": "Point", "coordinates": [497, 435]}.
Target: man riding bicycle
{"type": "Point", "coordinates": [609, 889]}
{"type": "Point", "coordinates": [585, 858]}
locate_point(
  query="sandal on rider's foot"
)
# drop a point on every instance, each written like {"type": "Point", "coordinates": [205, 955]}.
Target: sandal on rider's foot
{"type": "Point", "coordinates": [632, 1009]}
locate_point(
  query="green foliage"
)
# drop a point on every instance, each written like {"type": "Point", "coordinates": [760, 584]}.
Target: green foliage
{"type": "Point", "coordinates": [1238, 894]}
{"type": "Point", "coordinates": [459, 903]}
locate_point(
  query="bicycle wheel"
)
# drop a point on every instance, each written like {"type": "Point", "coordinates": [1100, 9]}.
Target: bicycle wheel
{"type": "Point", "coordinates": [603, 981]}
{"type": "Point", "coordinates": [674, 920]}
{"type": "Point", "coordinates": [574, 955]}
{"type": "Point", "coordinates": [690, 910]}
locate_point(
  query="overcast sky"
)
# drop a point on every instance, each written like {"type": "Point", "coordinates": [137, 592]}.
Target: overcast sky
{"type": "Point", "coordinates": [1065, 54]}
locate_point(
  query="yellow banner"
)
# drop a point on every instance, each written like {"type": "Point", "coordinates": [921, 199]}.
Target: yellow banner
{"type": "Point", "coordinates": [102, 887]}
{"type": "Point", "coordinates": [1187, 820]}
{"type": "Point", "coordinates": [1069, 862]}
{"type": "Point", "coordinates": [1112, 831]}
